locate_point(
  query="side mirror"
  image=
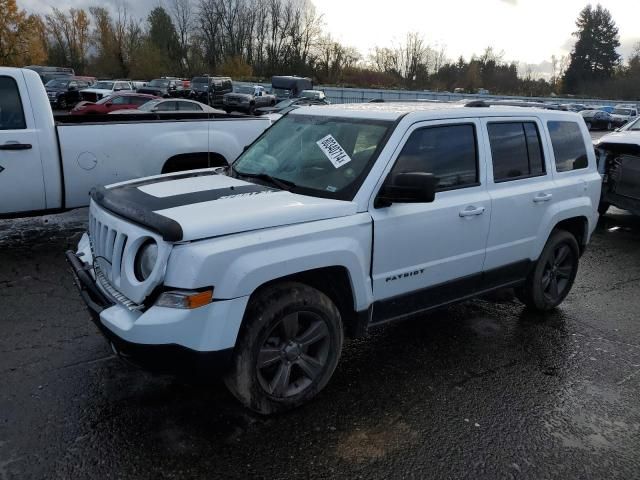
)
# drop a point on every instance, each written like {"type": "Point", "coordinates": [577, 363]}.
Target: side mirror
{"type": "Point", "coordinates": [410, 187]}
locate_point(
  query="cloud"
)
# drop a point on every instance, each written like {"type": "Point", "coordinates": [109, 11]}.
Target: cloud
{"type": "Point", "coordinates": [510, 2]}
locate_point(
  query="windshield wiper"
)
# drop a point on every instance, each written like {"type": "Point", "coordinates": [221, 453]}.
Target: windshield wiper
{"type": "Point", "coordinates": [277, 182]}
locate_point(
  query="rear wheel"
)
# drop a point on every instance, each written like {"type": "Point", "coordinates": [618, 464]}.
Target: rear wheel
{"type": "Point", "coordinates": [287, 350]}
{"type": "Point", "coordinates": [62, 103]}
{"type": "Point", "coordinates": [589, 125]}
{"type": "Point", "coordinates": [555, 271]}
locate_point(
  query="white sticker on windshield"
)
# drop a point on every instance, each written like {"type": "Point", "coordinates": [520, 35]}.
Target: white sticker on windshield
{"type": "Point", "coordinates": [333, 151]}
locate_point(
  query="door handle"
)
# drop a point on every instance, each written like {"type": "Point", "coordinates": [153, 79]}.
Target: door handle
{"type": "Point", "coordinates": [472, 211]}
{"type": "Point", "coordinates": [542, 197]}
{"type": "Point", "coordinates": [16, 146]}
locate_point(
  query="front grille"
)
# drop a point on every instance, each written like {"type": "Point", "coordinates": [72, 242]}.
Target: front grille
{"type": "Point", "coordinates": [107, 246]}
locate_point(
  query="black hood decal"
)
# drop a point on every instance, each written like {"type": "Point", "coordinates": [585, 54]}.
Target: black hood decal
{"type": "Point", "coordinates": [130, 202]}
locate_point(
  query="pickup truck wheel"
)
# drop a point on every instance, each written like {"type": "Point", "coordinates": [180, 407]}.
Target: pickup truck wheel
{"type": "Point", "coordinates": [555, 271]}
{"type": "Point", "coordinates": [287, 349]}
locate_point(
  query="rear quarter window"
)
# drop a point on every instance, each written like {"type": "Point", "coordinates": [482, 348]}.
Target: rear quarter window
{"type": "Point", "coordinates": [11, 113]}
{"type": "Point", "coordinates": [568, 146]}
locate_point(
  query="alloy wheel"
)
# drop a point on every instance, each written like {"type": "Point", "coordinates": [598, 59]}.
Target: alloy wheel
{"type": "Point", "coordinates": [558, 273]}
{"type": "Point", "coordinates": [294, 354]}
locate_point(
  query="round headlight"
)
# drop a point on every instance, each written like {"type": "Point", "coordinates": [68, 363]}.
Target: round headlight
{"type": "Point", "coordinates": [145, 260]}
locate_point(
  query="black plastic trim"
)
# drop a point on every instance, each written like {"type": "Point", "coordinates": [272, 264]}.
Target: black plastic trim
{"type": "Point", "coordinates": [461, 289]}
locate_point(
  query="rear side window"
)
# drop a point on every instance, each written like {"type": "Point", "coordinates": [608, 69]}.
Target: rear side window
{"type": "Point", "coordinates": [568, 146]}
{"type": "Point", "coordinates": [11, 113]}
{"type": "Point", "coordinates": [515, 150]}
{"type": "Point", "coordinates": [138, 100]}
{"type": "Point", "coordinates": [448, 152]}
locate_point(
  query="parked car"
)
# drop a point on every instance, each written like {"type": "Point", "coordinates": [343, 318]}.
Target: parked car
{"type": "Point", "coordinates": [313, 94]}
{"type": "Point", "coordinates": [290, 104]}
{"type": "Point", "coordinates": [619, 164]}
{"type": "Point", "coordinates": [247, 98]}
{"type": "Point", "coordinates": [105, 88]}
{"type": "Point", "coordinates": [170, 106]}
{"type": "Point", "coordinates": [119, 101]}
{"type": "Point", "coordinates": [335, 221]}
{"type": "Point", "coordinates": [48, 166]}
{"type": "Point", "coordinates": [50, 73]}
{"type": "Point", "coordinates": [210, 90]}
{"type": "Point", "coordinates": [284, 87]}
{"type": "Point", "coordinates": [623, 113]}
{"type": "Point", "coordinates": [64, 92]}
{"type": "Point", "coordinates": [597, 120]}
{"type": "Point", "coordinates": [163, 87]}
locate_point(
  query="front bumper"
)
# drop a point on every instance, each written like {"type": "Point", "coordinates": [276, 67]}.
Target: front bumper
{"type": "Point", "coordinates": [161, 339]}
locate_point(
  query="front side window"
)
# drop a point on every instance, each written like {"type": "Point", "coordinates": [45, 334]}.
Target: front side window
{"type": "Point", "coordinates": [120, 101]}
{"type": "Point", "coordinates": [515, 150]}
{"type": "Point", "coordinates": [568, 146]}
{"type": "Point", "coordinates": [167, 107]}
{"type": "Point", "coordinates": [449, 152]}
{"type": "Point", "coordinates": [11, 113]}
{"type": "Point", "coordinates": [319, 155]}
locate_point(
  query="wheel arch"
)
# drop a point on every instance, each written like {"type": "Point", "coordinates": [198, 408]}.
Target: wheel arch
{"type": "Point", "coordinates": [578, 227]}
{"type": "Point", "coordinates": [333, 281]}
{"type": "Point", "coordinates": [193, 161]}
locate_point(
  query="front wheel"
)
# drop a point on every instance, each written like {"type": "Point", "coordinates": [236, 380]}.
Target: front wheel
{"type": "Point", "coordinates": [554, 273]}
{"type": "Point", "coordinates": [287, 349]}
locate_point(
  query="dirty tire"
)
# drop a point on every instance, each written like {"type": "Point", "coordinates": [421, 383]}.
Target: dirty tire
{"type": "Point", "coordinates": [557, 265]}
{"type": "Point", "coordinates": [287, 349]}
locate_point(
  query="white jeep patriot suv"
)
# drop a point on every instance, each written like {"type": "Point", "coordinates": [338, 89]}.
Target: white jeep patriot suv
{"type": "Point", "coordinates": [334, 221]}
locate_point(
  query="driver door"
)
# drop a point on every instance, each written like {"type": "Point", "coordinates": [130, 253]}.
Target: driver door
{"type": "Point", "coordinates": [427, 254]}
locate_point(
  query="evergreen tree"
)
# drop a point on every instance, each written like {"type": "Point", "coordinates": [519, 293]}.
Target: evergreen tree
{"type": "Point", "coordinates": [164, 38]}
{"type": "Point", "coordinates": [594, 56]}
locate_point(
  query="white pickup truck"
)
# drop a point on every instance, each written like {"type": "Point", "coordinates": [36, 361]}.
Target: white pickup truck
{"type": "Point", "coordinates": [335, 221]}
{"type": "Point", "coordinates": [49, 164]}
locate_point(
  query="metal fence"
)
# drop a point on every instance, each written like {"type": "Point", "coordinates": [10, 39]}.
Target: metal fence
{"type": "Point", "coordinates": [337, 95]}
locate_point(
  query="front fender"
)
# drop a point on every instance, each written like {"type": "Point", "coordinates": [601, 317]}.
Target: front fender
{"type": "Point", "coordinates": [236, 265]}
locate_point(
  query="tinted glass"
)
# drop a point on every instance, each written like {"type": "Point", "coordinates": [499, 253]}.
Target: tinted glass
{"type": "Point", "coordinates": [534, 147]}
{"type": "Point", "coordinates": [448, 152]}
{"type": "Point", "coordinates": [138, 100]}
{"type": "Point", "coordinates": [11, 114]}
{"type": "Point", "coordinates": [120, 101]}
{"type": "Point", "coordinates": [568, 146]}
{"type": "Point", "coordinates": [189, 107]}
{"type": "Point", "coordinates": [167, 107]}
{"type": "Point", "coordinates": [515, 150]}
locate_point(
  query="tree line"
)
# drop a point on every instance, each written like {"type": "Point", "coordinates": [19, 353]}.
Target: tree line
{"type": "Point", "coordinates": [254, 39]}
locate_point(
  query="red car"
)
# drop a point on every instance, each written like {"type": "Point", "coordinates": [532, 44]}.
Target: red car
{"type": "Point", "coordinates": [120, 101]}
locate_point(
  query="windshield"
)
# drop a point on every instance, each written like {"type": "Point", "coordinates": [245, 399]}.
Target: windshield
{"type": "Point", "coordinates": [158, 83]}
{"type": "Point", "coordinates": [200, 80]}
{"type": "Point", "coordinates": [322, 156]}
{"type": "Point", "coordinates": [622, 111]}
{"type": "Point", "coordinates": [309, 94]}
{"type": "Point", "coordinates": [58, 83]}
{"type": "Point", "coordinates": [635, 125]}
{"type": "Point", "coordinates": [244, 89]}
{"type": "Point", "coordinates": [103, 86]}
{"type": "Point", "coordinates": [147, 107]}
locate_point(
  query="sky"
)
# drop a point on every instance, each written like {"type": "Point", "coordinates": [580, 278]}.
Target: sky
{"type": "Point", "coordinates": [527, 31]}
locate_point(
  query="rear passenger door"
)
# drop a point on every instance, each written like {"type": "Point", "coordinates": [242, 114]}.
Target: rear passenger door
{"type": "Point", "coordinates": [522, 192]}
{"type": "Point", "coordinates": [427, 254]}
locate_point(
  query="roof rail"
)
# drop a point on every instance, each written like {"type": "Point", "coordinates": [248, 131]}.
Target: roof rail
{"type": "Point", "coordinates": [505, 103]}
{"type": "Point", "coordinates": [407, 100]}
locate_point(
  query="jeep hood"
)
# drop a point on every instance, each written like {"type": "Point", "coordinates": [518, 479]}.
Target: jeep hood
{"type": "Point", "coordinates": [203, 204]}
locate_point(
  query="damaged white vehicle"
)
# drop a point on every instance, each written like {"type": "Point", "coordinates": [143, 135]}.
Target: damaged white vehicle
{"type": "Point", "coordinates": [331, 223]}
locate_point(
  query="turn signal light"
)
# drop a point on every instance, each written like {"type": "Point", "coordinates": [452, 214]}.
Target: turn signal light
{"type": "Point", "coordinates": [185, 299]}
